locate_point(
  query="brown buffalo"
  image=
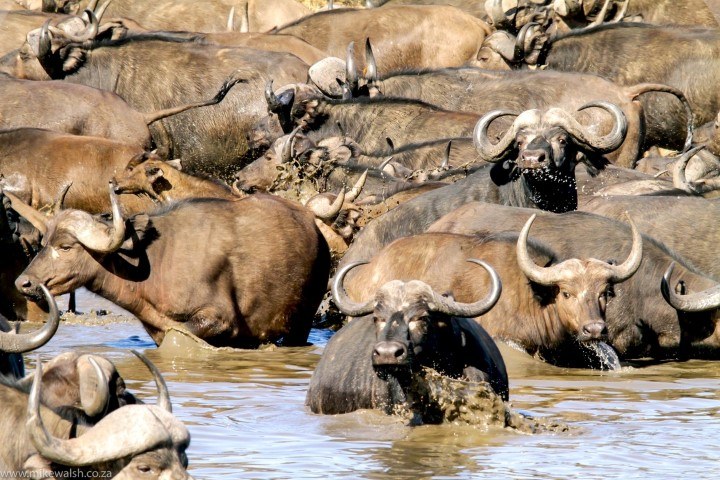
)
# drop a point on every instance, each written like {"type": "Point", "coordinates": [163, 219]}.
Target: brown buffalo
{"type": "Point", "coordinates": [164, 182]}
{"type": "Point", "coordinates": [206, 265]}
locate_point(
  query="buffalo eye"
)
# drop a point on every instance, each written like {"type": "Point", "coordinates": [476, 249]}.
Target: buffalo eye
{"type": "Point", "coordinates": [153, 171]}
{"type": "Point", "coordinates": [65, 248]}
{"type": "Point", "coordinates": [565, 294]}
{"type": "Point", "coordinates": [562, 141]}
{"type": "Point", "coordinates": [144, 468]}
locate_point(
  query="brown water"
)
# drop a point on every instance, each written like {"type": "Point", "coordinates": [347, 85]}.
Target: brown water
{"type": "Point", "coordinates": [245, 411]}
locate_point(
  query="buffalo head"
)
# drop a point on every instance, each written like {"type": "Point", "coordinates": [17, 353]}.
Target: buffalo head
{"type": "Point", "coordinates": [73, 243]}
{"type": "Point", "coordinates": [145, 174]}
{"type": "Point", "coordinates": [548, 140]}
{"type": "Point", "coordinates": [147, 440]}
{"type": "Point", "coordinates": [409, 318]}
{"type": "Point", "coordinates": [579, 289]}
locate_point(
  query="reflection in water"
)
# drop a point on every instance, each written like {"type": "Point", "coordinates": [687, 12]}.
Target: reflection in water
{"type": "Point", "coordinates": [245, 411]}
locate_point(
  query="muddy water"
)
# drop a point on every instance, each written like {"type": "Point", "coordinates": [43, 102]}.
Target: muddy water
{"type": "Point", "coordinates": [247, 419]}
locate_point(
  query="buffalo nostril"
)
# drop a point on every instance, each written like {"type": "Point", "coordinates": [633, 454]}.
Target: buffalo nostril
{"type": "Point", "coordinates": [595, 330]}
{"type": "Point", "coordinates": [27, 284]}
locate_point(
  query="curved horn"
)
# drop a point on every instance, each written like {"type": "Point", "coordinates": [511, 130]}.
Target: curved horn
{"type": "Point", "coordinates": [371, 74]}
{"type": "Point", "coordinates": [357, 188]}
{"type": "Point", "coordinates": [101, 11]}
{"type": "Point", "coordinates": [133, 429]}
{"type": "Point", "coordinates": [340, 298]}
{"type": "Point", "coordinates": [92, 4]}
{"type": "Point", "coordinates": [328, 212]}
{"type": "Point", "coordinates": [601, 16]}
{"type": "Point", "coordinates": [90, 32]}
{"type": "Point", "coordinates": [94, 390]}
{"type": "Point", "coordinates": [519, 52]}
{"type": "Point", "coordinates": [488, 151]}
{"type": "Point", "coordinates": [163, 399]}
{"type": "Point", "coordinates": [678, 173]}
{"type": "Point", "coordinates": [586, 139]}
{"type": "Point", "coordinates": [45, 42]}
{"type": "Point", "coordinates": [21, 343]}
{"type": "Point", "coordinates": [287, 149]}
{"type": "Point", "coordinates": [385, 163]}
{"type": "Point", "coordinates": [99, 240]}
{"type": "Point", "coordinates": [58, 206]}
{"type": "Point", "coordinates": [695, 302]}
{"type": "Point", "coordinates": [540, 275]}
{"type": "Point", "coordinates": [620, 273]}
{"type": "Point", "coordinates": [33, 216]}
{"type": "Point", "coordinates": [496, 13]}
{"type": "Point", "coordinates": [274, 105]}
{"type": "Point", "coordinates": [351, 75]}
{"type": "Point", "coordinates": [468, 310]}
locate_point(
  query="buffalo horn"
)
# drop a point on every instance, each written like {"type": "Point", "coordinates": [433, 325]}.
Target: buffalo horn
{"type": "Point", "coordinates": [695, 302]}
{"type": "Point", "coordinates": [494, 152]}
{"type": "Point", "coordinates": [274, 104]}
{"type": "Point", "coordinates": [620, 273]}
{"type": "Point", "coordinates": [21, 343]}
{"type": "Point", "coordinates": [245, 19]}
{"type": "Point", "coordinates": [357, 188]}
{"type": "Point", "coordinates": [33, 216]}
{"type": "Point", "coordinates": [539, 275]}
{"type": "Point", "coordinates": [342, 301]}
{"type": "Point", "coordinates": [586, 139]}
{"type": "Point", "coordinates": [496, 13]}
{"type": "Point", "coordinates": [351, 75]}
{"type": "Point", "coordinates": [468, 310]}
{"type": "Point", "coordinates": [94, 390]}
{"type": "Point", "coordinates": [371, 74]}
{"type": "Point", "coordinates": [286, 154]}
{"type": "Point", "coordinates": [124, 433]}
{"type": "Point", "coordinates": [679, 179]}
{"type": "Point", "coordinates": [519, 52]}
{"type": "Point", "coordinates": [328, 212]}
{"type": "Point", "coordinates": [94, 235]}
{"type": "Point", "coordinates": [163, 400]}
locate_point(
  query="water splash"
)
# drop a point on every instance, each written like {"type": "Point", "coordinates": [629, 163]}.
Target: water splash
{"type": "Point", "coordinates": [602, 355]}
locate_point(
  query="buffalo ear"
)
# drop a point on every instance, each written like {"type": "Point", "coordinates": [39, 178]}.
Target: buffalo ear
{"type": "Point", "coordinates": [176, 163]}
{"type": "Point", "coordinates": [139, 230]}
{"type": "Point", "coordinates": [545, 295]}
{"type": "Point", "coordinates": [154, 174]}
{"type": "Point", "coordinates": [340, 155]}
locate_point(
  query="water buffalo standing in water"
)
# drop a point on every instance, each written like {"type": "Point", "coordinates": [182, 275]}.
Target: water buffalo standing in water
{"type": "Point", "coordinates": [640, 323]}
{"type": "Point", "coordinates": [145, 438]}
{"type": "Point", "coordinates": [553, 310]}
{"type": "Point", "coordinates": [370, 362]}
{"type": "Point", "coordinates": [234, 273]}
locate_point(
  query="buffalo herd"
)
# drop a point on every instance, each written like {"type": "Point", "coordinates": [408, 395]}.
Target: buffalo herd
{"type": "Point", "coordinates": [450, 173]}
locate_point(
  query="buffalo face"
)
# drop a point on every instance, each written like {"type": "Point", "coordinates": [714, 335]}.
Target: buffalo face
{"type": "Point", "coordinates": [409, 318]}
{"type": "Point", "coordinates": [73, 241]}
{"type": "Point", "coordinates": [145, 174]}
{"type": "Point", "coordinates": [579, 289]}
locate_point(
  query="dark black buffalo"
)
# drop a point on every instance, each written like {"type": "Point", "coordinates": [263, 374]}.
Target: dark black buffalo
{"type": "Point", "coordinates": [371, 362]}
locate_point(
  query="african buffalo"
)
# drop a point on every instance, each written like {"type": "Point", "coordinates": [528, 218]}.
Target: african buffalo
{"type": "Point", "coordinates": [205, 265]}
{"type": "Point", "coordinates": [416, 37]}
{"type": "Point", "coordinates": [682, 57]}
{"type": "Point", "coordinates": [688, 225]}
{"type": "Point", "coordinates": [164, 68]}
{"type": "Point", "coordinates": [164, 181]}
{"type": "Point", "coordinates": [370, 363]}
{"type": "Point", "coordinates": [147, 440]}
{"type": "Point", "coordinates": [546, 309]}
{"type": "Point", "coordinates": [190, 15]}
{"type": "Point", "coordinates": [660, 12]}
{"type": "Point", "coordinates": [36, 165]}
{"type": "Point", "coordinates": [480, 91]}
{"type": "Point", "coordinates": [81, 110]}
{"type": "Point", "coordinates": [639, 322]}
